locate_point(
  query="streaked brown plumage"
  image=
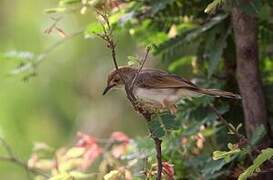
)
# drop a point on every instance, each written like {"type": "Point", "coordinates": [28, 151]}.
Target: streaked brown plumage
{"type": "Point", "coordinates": [161, 88]}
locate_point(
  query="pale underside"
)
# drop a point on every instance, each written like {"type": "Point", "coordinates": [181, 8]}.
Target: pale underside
{"type": "Point", "coordinates": [160, 99]}
{"type": "Point", "coordinates": [163, 96]}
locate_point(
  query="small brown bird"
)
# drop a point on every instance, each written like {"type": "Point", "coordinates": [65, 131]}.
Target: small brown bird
{"type": "Point", "coordinates": [160, 88]}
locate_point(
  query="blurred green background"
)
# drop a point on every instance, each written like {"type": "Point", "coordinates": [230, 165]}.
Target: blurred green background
{"type": "Point", "coordinates": [65, 96]}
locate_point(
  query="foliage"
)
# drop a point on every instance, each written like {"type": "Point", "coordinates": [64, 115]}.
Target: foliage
{"type": "Point", "coordinates": [226, 155]}
{"type": "Point", "coordinates": [92, 29]}
{"type": "Point", "coordinates": [211, 8]}
{"type": "Point", "coordinates": [191, 38]}
{"type": "Point", "coordinates": [161, 124]}
{"type": "Point", "coordinates": [265, 155]}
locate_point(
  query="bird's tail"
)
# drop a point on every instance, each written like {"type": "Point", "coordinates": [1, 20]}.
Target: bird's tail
{"type": "Point", "coordinates": [219, 93]}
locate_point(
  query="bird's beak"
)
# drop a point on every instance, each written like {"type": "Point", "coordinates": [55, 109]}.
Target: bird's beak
{"type": "Point", "coordinates": [108, 88]}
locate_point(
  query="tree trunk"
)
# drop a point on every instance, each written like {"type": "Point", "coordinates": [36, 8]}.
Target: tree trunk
{"type": "Point", "coordinates": [248, 76]}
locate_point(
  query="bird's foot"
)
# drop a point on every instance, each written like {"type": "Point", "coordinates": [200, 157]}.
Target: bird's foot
{"type": "Point", "coordinates": [173, 109]}
{"type": "Point", "coordinates": [170, 106]}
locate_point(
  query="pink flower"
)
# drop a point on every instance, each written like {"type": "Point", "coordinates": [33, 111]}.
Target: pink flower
{"type": "Point", "coordinates": [168, 170]}
{"type": "Point", "coordinates": [120, 137]}
{"type": "Point", "coordinates": [113, 4]}
{"type": "Point", "coordinates": [85, 140]}
{"type": "Point", "coordinates": [90, 156]}
{"type": "Point", "coordinates": [92, 149]}
{"type": "Point", "coordinates": [122, 148]}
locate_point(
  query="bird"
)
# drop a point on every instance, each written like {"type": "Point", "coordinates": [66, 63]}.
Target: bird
{"type": "Point", "coordinates": [159, 88]}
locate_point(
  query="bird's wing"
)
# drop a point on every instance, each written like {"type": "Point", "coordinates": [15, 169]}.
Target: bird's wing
{"type": "Point", "coordinates": [156, 79]}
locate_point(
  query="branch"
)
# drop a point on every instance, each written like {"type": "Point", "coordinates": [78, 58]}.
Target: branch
{"type": "Point", "coordinates": [7, 147]}
{"type": "Point", "coordinates": [140, 68]}
{"type": "Point", "coordinates": [238, 135]}
{"type": "Point", "coordinates": [41, 57]}
{"type": "Point", "coordinates": [15, 160]}
{"type": "Point", "coordinates": [158, 157]}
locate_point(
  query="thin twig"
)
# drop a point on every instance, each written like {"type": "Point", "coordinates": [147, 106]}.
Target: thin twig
{"type": "Point", "coordinates": [230, 127]}
{"type": "Point", "coordinates": [41, 57]}
{"type": "Point", "coordinates": [13, 159]}
{"type": "Point", "coordinates": [24, 165]}
{"type": "Point", "coordinates": [140, 68]}
{"type": "Point", "coordinates": [53, 26]}
{"type": "Point", "coordinates": [7, 147]}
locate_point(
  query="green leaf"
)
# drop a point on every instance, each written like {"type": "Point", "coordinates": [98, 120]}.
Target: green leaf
{"type": "Point", "coordinates": [75, 152]}
{"type": "Point", "coordinates": [80, 175]}
{"type": "Point", "coordinates": [186, 42]}
{"type": "Point", "coordinates": [169, 122]}
{"type": "Point", "coordinates": [264, 13]}
{"type": "Point", "coordinates": [114, 18]}
{"type": "Point", "coordinates": [145, 33]}
{"type": "Point", "coordinates": [61, 176]}
{"type": "Point", "coordinates": [155, 127]}
{"type": "Point", "coordinates": [64, 2]}
{"type": "Point", "coordinates": [162, 123]}
{"type": "Point", "coordinates": [70, 164]}
{"type": "Point", "coordinates": [193, 33]}
{"type": "Point", "coordinates": [216, 52]}
{"type": "Point", "coordinates": [193, 129]}
{"type": "Point", "coordinates": [18, 55]}
{"type": "Point", "coordinates": [144, 143]}
{"type": "Point", "coordinates": [265, 155]}
{"type": "Point", "coordinates": [92, 29]}
{"type": "Point", "coordinates": [133, 61]}
{"type": "Point", "coordinates": [232, 146]}
{"type": "Point", "coordinates": [214, 166]}
{"type": "Point", "coordinates": [211, 8]}
{"type": "Point", "coordinates": [55, 10]}
{"type": "Point", "coordinates": [250, 7]}
{"type": "Point", "coordinates": [226, 155]}
{"type": "Point", "coordinates": [43, 150]}
{"type": "Point", "coordinates": [180, 63]}
{"type": "Point", "coordinates": [258, 134]}
{"type": "Point", "coordinates": [114, 174]}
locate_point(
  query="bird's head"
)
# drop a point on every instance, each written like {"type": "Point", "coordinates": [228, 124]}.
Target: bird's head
{"type": "Point", "coordinates": [115, 81]}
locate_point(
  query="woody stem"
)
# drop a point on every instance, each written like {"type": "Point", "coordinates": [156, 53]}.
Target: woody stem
{"type": "Point", "coordinates": [158, 157]}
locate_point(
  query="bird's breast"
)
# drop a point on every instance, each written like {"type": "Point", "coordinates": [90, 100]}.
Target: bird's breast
{"type": "Point", "coordinates": [156, 95]}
